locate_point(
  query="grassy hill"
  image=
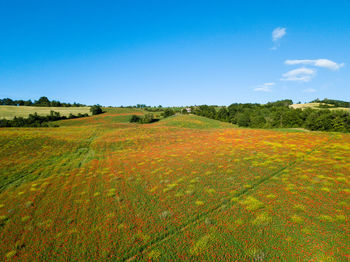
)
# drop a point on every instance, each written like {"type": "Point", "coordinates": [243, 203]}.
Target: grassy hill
{"type": "Point", "coordinates": [112, 116]}
{"type": "Point", "coordinates": [317, 106]}
{"type": "Point", "coordinates": [194, 122]}
{"type": "Point", "coordinates": [183, 188]}
{"type": "Point", "coordinates": [9, 112]}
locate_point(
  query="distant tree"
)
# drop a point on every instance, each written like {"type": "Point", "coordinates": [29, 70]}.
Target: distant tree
{"type": "Point", "coordinates": [338, 124]}
{"type": "Point", "coordinates": [20, 102]}
{"type": "Point", "coordinates": [148, 118]}
{"type": "Point", "coordinates": [243, 119]}
{"type": "Point", "coordinates": [328, 103]}
{"type": "Point", "coordinates": [168, 112]}
{"type": "Point", "coordinates": [7, 102]}
{"type": "Point", "coordinates": [55, 103]}
{"type": "Point", "coordinates": [184, 111]}
{"type": "Point", "coordinates": [43, 101]}
{"type": "Point", "coordinates": [28, 103]}
{"type": "Point", "coordinates": [311, 120]}
{"type": "Point", "coordinates": [34, 120]}
{"type": "Point", "coordinates": [324, 121]}
{"type": "Point", "coordinates": [256, 119]}
{"type": "Point", "coordinates": [222, 114]}
{"type": "Point", "coordinates": [279, 114]}
{"type": "Point", "coordinates": [96, 109]}
{"type": "Point", "coordinates": [207, 111]}
{"type": "Point", "coordinates": [284, 103]}
{"type": "Point", "coordinates": [135, 119]}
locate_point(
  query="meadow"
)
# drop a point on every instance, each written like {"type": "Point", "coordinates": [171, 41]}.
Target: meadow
{"type": "Point", "coordinates": [9, 112]}
{"type": "Point", "coordinates": [186, 188]}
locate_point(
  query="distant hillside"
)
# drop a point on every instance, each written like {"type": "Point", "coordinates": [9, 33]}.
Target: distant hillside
{"type": "Point", "coordinates": [325, 103]}
{"type": "Point", "coordinates": [322, 105]}
{"type": "Point", "coordinates": [9, 112]}
{"type": "Point", "coordinates": [193, 121]}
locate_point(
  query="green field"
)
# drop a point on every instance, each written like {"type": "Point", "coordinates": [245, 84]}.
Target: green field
{"type": "Point", "coordinates": [185, 188]}
{"type": "Point", "coordinates": [9, 112]}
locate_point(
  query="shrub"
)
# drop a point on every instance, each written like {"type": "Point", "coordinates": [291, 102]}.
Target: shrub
{"type": "Point", "coordinates": [96, 109]}
{"type": "Point", "coordinates": [148, 118]}
{"type": "Point", "coordinates": [168, 112]}
{"type": "Point", "coordinates": [135, 119]}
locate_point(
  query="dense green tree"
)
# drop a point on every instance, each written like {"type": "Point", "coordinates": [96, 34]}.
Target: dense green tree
{"type": "Point", "coordinates": [256, 119]}
{"type": "Point", "coordinates": [338, 124]}
{"type": "Point", "coordinates": [168, 112]}
{"type": "Point", "coordinates": [96, 109]}
{"type": "Point", "coordinates": [243, 119]}
{"type": "Point", "coordinates": [7, 102]}
{"type": "Point", "coordinates": [55, 103]}
{"type": "Point", "coordinates": [222, 114]}
{"type": "Point", "coordinates": [28, 103]}
{"type": "Point", "coordinates": [135, 119]}
{"type": "Point", "coordinates": [279, 115]}
{"type": "Point", "coordinates": [207, 111]}
{"type": "Point", "coordinates": [43, 101]}
{"type": "Point", "coordinates": [324, 122]}
{"type": "Point", "coordinates": [148, 118]}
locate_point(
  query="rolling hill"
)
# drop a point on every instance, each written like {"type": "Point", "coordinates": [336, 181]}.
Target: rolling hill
{"type": "Point", "coordinates": [183, 188]}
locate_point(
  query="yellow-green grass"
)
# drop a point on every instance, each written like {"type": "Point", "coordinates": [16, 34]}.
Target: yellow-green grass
{"type": "Point", "coordinates": [112, 116]}
{"type": "Point", "coordinates": [193, 121]}
{"type": "Point", "coordinates": [9, 112]}
{"type": "Point", "coordinates": [123, 110]}
{"type": "Point", "coordinates": [297, 129]}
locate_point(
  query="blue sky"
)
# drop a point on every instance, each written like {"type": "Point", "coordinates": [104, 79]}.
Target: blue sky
{"type": "Point", "coordinates": [174, 52]}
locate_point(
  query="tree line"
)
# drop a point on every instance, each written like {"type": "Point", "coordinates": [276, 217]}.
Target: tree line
{"type": "Point", "coordinates": [331, 103]}
{"type": "Point", "coordinates": [42, 101]}
{"type": "Point", "coordinates": [277, 115]}
{"type": "Point", "coordinates": [34, 120]}
{"type": "Point", "coordinates": [149, 117]}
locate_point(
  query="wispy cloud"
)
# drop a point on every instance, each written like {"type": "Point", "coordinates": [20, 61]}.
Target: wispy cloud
{"type": "Point", "coordinates": [325, 63]}
{"type": "Point", "coordinates": [278, 33]}
{"type": "Point", "coordinates": [265, 87]}
{"type": "Point", "coordinates": [301, 74]}
{"type": "Point", "coordinates": [309, 90]}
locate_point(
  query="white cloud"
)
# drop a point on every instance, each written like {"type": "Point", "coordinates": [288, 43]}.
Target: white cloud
{"type": "Point", "coordinates": [265, 87]}
{"type": "Point", "coordinates": [278, 33]}
{"type": "Point", "coordinates": [301, 74]}
{"type": "Point", "coordinates": [309, 90]}
{"type": "Point", "coordinates": [316, 62]}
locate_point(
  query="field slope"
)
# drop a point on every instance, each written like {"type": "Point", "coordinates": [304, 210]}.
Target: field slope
{"type": "Point", "coordinates": [9, 112]}
{"type": "Point", "coordinates": [317, 106]}
{"type": "Point", "coordinates": [185, 188]}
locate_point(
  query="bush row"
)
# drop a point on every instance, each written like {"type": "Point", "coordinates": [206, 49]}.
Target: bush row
{"type": "Point", "coordinates": [34, 120]}
{"type": "Point", "coordinates": [278, 115]}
